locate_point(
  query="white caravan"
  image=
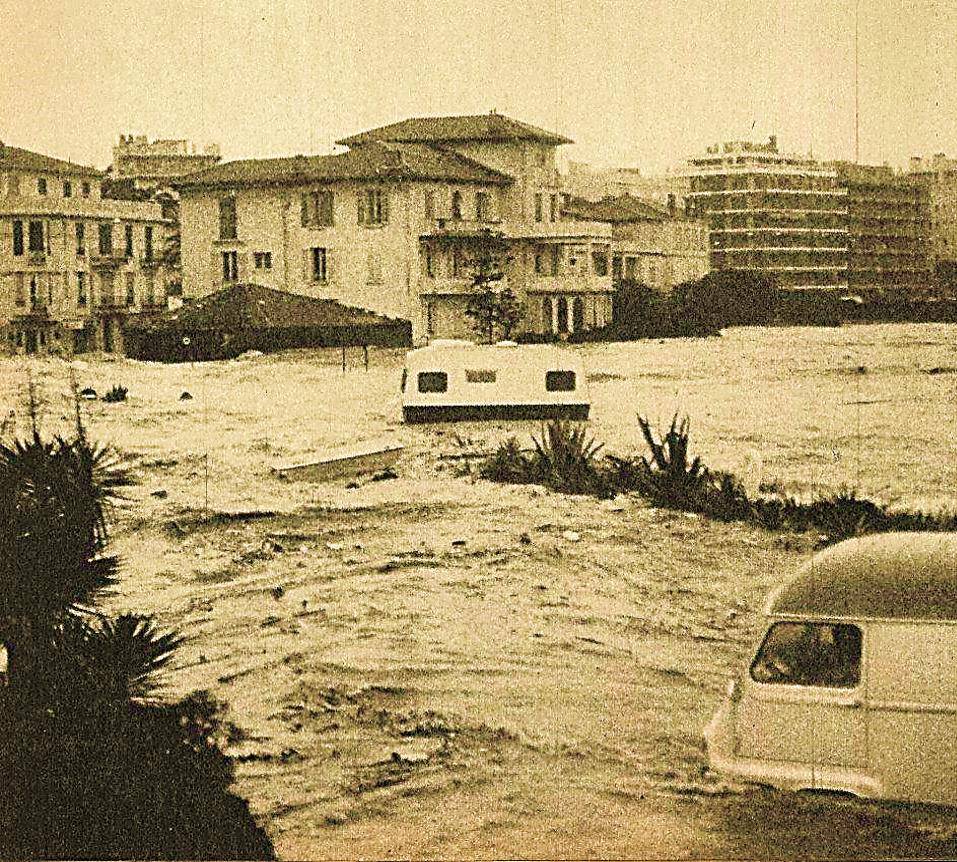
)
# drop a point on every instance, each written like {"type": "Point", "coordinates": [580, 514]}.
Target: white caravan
{"type": "Point", "coordinates": [457, 380]}
{"type": "Point", "coordinates": [853, 685]}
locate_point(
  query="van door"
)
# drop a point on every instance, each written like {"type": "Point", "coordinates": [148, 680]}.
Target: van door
{"type": "Point", "coordinates": [802, 701]}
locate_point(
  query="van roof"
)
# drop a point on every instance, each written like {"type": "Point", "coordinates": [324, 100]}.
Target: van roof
{"type": "Point", "coordinates": [883, 576]}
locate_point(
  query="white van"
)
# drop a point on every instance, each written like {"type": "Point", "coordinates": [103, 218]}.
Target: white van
{"type": "Point", "coordinates": [457, 380]}
{"type": "Point", "coordinates": [853, 685]}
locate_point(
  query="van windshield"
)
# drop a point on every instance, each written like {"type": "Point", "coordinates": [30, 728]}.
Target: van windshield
{"type": "Point", "coordinates": [819, 654]}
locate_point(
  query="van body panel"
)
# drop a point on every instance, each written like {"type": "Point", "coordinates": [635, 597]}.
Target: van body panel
{"type": "Point", "coordinates": [915, 753]}
{"type": "Point", "coordinates": [801, 724]}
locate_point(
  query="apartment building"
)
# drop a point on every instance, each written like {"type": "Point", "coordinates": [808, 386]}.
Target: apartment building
{"type": "Point", "coordinates": [396, 224]}
{"type": "Point", "coordinates": [937, 177]}
{"type": "Point", "coordinates": [658, 247]}
{"type": "Point", "coordinates": [887, 222]}
{"type": "Point", "coordinates": [73, 264]}
{"type": "Point", "coordinates": [784, 215]}
{"type": "Point", "coordinates": [154, 164]}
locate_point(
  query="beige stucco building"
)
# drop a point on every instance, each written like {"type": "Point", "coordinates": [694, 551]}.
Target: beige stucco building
{"type": "Point", "coordinates": [73, 264]}
{"type": "Point", "coordinates": [394, 225]}
{"type": "Point", "coordinates": [657, 247]}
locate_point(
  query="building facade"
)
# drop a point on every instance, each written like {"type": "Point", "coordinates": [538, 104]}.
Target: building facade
{"type": "Point", "coordinates": [73, 264]}
{"type": "Point", "coordinates": [398, 223]}
{"type": "Point", "coordinates": [773, 213]}
{"type": "Point", "coordinates": [657, 247]}
{"type": "Point", "coordinates": [887, 221]}
{"type": "Point", "coordinates": [154, 164]}
{"type": "Point", "coordinates": [937, 177]}
{"type": "Point", "coordinates": [591, 183]}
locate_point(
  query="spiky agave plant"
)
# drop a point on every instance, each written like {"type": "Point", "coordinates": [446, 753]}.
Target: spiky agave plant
{"type": "Point", "coordinates": [566, 459]}
{"type": "Point", "coordinates": [55, 497]}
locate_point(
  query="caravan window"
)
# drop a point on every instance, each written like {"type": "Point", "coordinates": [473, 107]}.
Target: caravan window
{"type": "Point", "coordinates": [433, 381]}
{"type": "Point", "coordinates": [559, 381]}
{"type": "Point", "coordinates": [479, 375]}
{"type": "Point", "coordinates": [820, 654]}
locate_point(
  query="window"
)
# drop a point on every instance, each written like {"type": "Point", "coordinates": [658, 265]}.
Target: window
{"type": "Point", "coordinates": [67, 189]}
{"type": "Point", "coordinates": [458, 263]}
{"type": "Point", "coordinates": [36, 237]}
{"type": "Point", "coordinates": [319, 260]}
{"type": "Point", "coordinates": [230, 266]}
{"type": "Point", "coordinates": [373, 207]}
{"type": "Point", "coordinates": [429, 263]}
{"type": "Point", "coordinates": [553, 208]}
{"type": "Point", "coordinates": [559, 381]}
{"type": "Point", "coordinates": [539, 213]}
{"type": "Point", "coordinates": [819, 654]}
{"type": "Point", "coordinates": [130, 289]}
{"type": "Point", "coordinates": [85, 189]}
{"type": "Point", "coordinates": [18, 237]}
{"type": "Point", "coordinates": [20, 296]}
{"type": "Point", "coordinates": [262, 259]}
{"type": "Point", "coordinates": [479, 375]}
{"type": "Point", "coordinates": [457, 205]}
{"type": "Point", "coordinates": [227, 217]}
{"type": "Point", "coordinates": [150, 288]}
{"type": "Point", "coordinates": [433, 381]}
{"type": "Point", "coordinates": [105, 238]}
{"type": "Point", "coordinates": [81, 289]}
{"type": "Point", "coordinates": [80, 239]}
{"type": "Point", "coordinates": [483, 208]}
{"type": "Point", "coordinates": [148, 242]}
{"type": "Point", "coordinates": [600, 262]}
{"type": "Point", "coordinates": [41, 186]}
{"type": "Point", "coordinates": [430, 205]}
{"type": "Point", "coordinates": [317, 208]}
{"type": "Point", "coordinates": [555, 258]}
{"type": "Point", "coordinates": [128, 237]}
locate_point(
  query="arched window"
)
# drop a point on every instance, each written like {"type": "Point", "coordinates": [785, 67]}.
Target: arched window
{"type": "Point", "coordinates": [547, 314]}
{"type": "Point", "coordinates": [457, 205]}
{"type": "Point", "coordinates": [578, 314]}
{"type": "Point", "coordinates": [562, 314]}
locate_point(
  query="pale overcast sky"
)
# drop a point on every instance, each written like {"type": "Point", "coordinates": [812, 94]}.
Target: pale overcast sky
{"type": "Point", "coordinates": [643, 83]}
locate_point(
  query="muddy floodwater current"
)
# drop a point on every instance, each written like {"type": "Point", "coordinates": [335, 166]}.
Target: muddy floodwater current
{"type": "Point", "coordinates": [432, 665]}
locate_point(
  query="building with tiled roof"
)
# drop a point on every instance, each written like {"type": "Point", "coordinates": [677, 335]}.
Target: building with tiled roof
{"type": "Point", "coordinates": [651, 244]}
{"type": "Point", "coordinates": [395, 224]}
{"type": "Point", "coordinates": [73, 263]}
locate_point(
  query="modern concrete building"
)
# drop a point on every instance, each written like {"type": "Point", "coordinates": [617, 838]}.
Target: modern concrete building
{"type": "Point", "coordinates": [154, 164]}
{"type": "Point", "coordinates": [887, 223]}
{"type": "Point", "coordinates": [73, 264]}
{"type": "Point", "coordinates": [396, 223]}
{"type": "Point", "coordinates": [937, 176]}
{"type": "Point", "coordinates": [784, 215]}
{"type": "Point", "coordinates": [657, 247]}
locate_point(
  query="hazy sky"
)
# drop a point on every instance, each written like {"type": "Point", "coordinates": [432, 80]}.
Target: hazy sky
{"type": "Point", "coordinates": [639, 82]}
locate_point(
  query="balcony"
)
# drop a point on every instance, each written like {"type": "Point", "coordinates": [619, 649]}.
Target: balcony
{"type": "Point", "coordinates": [564, 229]}
{"type": "Point", "coordinates": [149, 262]}
{"type": "Point", "coordinates": [457, 228]}
{"type": "Point", "coordinates": [107, 260]}
{"type": "Point", "coordinates": [453, 286]}
{"type": "Point", "coordinates": [570, 283]}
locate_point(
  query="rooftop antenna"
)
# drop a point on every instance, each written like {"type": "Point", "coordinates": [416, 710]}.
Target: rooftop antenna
{"type": "Point", "coordinates": [857, 82]}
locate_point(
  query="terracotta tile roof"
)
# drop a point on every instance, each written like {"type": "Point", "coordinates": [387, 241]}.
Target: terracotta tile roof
{"type": "Point", "coordinates": [623, 208]}
{"type": "Point", "coordinates": [377, 161]}
{"type": "Point", "coordinates": [252, 306]}
{"type": "Point", "coordinates": [478, 127]}
{"type": "Point", "coordinates": [26, 160]}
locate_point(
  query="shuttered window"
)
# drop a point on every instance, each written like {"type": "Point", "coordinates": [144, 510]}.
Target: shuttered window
{"type": "Point", "coordinates": [373, 207]}
{"type": "Point", "coordinates": [18, 237]}
{"type": "Point", "coordinates": [227, 217]}
{"type": "Point", "coordinates": [317, 209]}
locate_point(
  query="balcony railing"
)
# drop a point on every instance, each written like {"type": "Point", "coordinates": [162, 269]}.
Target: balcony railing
{"type": "Point", "coordinates": [149, 262]}
{"type": "Point", "coordinates": [107, 260]}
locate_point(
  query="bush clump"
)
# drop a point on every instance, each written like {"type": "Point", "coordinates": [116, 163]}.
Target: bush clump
{"type": "Point", "coordinates": [116, 394]}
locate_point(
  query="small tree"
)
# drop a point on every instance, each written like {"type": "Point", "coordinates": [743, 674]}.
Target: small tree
{"type": "Point", "coordinates": [492, 309]}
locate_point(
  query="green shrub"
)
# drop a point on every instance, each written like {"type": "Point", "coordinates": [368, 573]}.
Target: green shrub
{"type": "Point", "coordinates": [116, 394]}
{"type": "Point", "coordinates": [566, 459]}
{"type": "Point", "coordinates": [509, 464]}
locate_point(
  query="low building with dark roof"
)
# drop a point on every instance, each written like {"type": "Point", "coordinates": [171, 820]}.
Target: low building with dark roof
{"type": "Point", "coordinates": [74, 262]}
{"type": "Point", "coordinates": [396, 223]}
{"type": "Point", "coordinates": [246, 317]}
{"type": "Point", "coordinates": [651, 244]}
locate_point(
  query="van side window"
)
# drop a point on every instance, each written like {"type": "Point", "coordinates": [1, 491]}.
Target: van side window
{"type": "Point", "coordinates": [479, 375]}
{"type": "Point", "coordinates": [820, 654]}
{"type": "Point", "coordinates": [433, 381]}
{"type": "Point", "coordinates": [559, 381]}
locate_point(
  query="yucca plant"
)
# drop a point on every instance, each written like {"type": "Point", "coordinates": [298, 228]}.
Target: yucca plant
{"type": "Point", "coordinates": [566, 459]}
{"type": "Point", "coordinates": [116, 394]}
{"type": "Point", "coordinates": [508, 464]}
